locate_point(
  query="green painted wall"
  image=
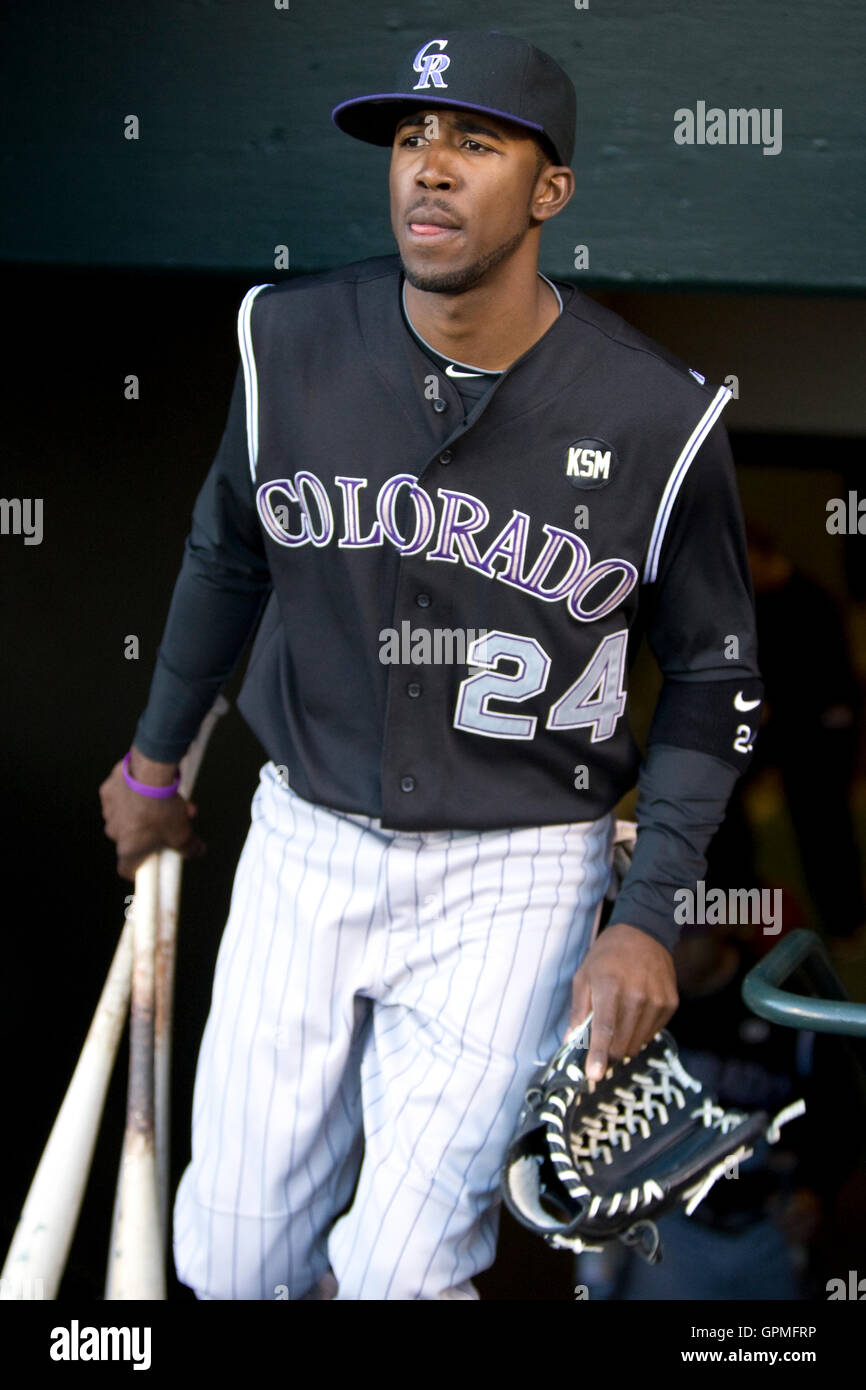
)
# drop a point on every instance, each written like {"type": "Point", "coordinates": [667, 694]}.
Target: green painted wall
{"type": "Point", "coordinates": [237, 153]}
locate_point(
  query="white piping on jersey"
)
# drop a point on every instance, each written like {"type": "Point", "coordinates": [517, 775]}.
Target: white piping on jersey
{"type": "Point", "coordinates": [455, 361]}
{"type": "Point", "coordinates": [555, 290]}
{"type": "Point", "coordinates": [251, 382]}
{"type": "Point", "coordinates": [675, 481]}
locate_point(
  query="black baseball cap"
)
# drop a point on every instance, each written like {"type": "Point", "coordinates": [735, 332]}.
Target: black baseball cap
{"type": "Point", "coordinates": [492, 72]}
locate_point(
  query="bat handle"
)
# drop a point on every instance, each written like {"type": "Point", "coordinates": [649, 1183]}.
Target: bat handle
{"type": "Point", "coordinates": [191, 761]}
{"type": "Point", "coordinates": [170, 869]}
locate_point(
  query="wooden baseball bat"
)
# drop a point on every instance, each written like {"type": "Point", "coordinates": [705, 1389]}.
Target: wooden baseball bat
{"type": "Point", "coordinates": [136, 1259]}
{"type": "Point", "coordinates": [40, 1246]}
{"type": "Point", "coordinates": [170, 868]}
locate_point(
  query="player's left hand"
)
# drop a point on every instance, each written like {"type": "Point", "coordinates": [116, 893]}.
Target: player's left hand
{"type": "Point", "coordinates": [627, 980]}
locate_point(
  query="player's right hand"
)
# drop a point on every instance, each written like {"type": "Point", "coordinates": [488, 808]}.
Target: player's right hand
{"type": "Point", "coordinates": [139, 824]}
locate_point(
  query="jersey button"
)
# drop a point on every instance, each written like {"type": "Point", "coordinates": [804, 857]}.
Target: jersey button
{"type": "Point", "coordinates": [413, 690]}
{"type": "Point", "coordinates": [423, 600]}
{"type": "Point", "coordinates": [446, 456]}
{"type": "Point", "coordinates": [407, 784]}
{"type": "Point", "coordinates": [439, 404]}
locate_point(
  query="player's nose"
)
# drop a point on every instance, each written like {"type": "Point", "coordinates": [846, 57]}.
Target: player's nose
{"type": "Point", "coordinates": [435, 180]}
{"type": "Point", "coordinates": [437, 170]}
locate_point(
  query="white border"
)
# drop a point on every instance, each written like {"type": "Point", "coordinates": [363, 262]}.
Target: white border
{"type": "Point", "coordinates": [251, 383]}
{"type": "Point", "coordinates": [675, 481]}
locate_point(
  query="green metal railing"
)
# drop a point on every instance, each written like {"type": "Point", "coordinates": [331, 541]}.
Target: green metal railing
{"type": "Point", "coordinates": [831, 1011]}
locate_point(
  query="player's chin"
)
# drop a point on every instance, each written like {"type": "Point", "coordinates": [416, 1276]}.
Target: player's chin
{"type": "Point", "coordinates": [438, 274]}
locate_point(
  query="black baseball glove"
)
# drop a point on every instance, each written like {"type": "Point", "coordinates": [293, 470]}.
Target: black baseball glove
{"type": "Point", "coordinates": [594, 1161]}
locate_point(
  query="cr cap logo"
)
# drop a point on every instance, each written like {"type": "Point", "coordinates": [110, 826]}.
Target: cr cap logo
{"type": "Point", "coordinates": [431, 66]}
{"type": "Point", "coordinates": [589, 463]}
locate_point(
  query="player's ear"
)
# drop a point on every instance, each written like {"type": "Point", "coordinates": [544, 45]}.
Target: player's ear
{"type": "Point", "coordinates": [554, 187]}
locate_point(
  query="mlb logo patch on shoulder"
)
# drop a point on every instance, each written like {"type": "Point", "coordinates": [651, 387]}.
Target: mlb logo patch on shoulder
{"type": "Point", "coordinates": [590, 463]}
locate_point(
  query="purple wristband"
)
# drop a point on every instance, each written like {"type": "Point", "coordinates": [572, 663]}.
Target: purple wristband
{"type": "Point", "coordinates": [158, 793]}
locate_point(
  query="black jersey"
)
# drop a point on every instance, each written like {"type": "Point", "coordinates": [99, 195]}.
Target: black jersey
{"type": "Point", "coordinates": [450, 599]}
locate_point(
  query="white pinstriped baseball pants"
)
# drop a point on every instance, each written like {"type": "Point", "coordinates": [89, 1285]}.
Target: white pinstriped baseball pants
{"type": "Point", "coordinates": [380, 1000]}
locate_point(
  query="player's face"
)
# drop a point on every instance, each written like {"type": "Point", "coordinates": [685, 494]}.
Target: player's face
{"type": "Point", "coordinates": [462, 187]}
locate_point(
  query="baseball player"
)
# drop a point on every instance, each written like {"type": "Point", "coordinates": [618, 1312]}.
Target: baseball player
{"type": "Point", "coordinates": [438, 443]}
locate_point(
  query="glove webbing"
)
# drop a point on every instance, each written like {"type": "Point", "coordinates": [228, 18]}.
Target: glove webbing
{"type": "Point", "coordinates": [614, 1124]}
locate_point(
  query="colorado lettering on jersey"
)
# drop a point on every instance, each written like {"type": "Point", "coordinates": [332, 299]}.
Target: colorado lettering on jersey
{"type": "Point", "coordinates": [449, 536]}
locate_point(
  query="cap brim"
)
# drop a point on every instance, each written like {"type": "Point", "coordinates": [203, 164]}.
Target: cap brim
{"type": "Point", "coordinates": [375, 118]}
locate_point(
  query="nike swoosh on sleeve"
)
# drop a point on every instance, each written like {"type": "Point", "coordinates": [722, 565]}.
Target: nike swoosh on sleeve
{"type": "Point", "coordinates": [742, 704]}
